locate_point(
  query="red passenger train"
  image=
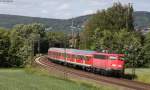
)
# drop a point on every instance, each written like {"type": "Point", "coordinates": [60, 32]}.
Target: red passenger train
{"type": "Point", "coordinates": [91, 60]}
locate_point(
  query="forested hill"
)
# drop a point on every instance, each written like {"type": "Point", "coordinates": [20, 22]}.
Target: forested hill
{"type": "Point", "coordinates": [8, 21]}
{"type": "Point", "coordinates": [142, 20]}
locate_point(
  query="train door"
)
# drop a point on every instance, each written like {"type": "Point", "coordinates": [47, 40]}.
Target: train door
{"type": "Point", "coordinates": [68, 57]}
{"type": "Point", "coordinates": [108, 62]}
{"type": "Point", "coordinates": [88, 60]}
{"type": "Point", "coordinates": [71, 58]}
{"type": "Point", "coordinates": [79, 59]}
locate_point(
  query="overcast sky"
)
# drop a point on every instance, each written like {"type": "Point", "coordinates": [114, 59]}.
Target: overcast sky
{"type": "Point", "coordinates": [64, 9]}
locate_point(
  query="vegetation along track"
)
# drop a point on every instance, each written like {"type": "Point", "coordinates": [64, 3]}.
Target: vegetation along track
{"type": "Point", "coordinates": [44, 62]}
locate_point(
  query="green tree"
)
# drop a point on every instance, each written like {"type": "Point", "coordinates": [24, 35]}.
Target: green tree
{"type": "Point", "coordinates": [114, 19]}
{"type": "Point", "coordinates": [57, 39]}
{"type": "Point", "coordinates": [4, 47]}
{"type": "Point", "coordinates": [147, 49]}
{"type": "Point", "coordinates": [24, 40]}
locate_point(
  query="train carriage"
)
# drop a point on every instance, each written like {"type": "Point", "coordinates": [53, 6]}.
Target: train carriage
{"type": "Point", "coordinates": [89, 59]}
{"type": "Point", "coordinates": [79, 57]}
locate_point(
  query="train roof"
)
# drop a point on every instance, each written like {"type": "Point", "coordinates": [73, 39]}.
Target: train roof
{"type": "Point", "coordinates": [82, 52]}
{"type": "Point", "coordinates": [110, 54]}
{"type": "Point", "coordinates": [74, 51]}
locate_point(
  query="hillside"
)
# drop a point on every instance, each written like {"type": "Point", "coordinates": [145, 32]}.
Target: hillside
{"type": "Point", "coordinates": [8, 21]}
{"type": "Point", "coordinates": [142, 20]}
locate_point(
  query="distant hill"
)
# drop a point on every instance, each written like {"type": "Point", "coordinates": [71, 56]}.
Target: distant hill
{"type": "Point", "coordinates": [142, 20]}
{"type": "Point", "coordinates": [8, 21]}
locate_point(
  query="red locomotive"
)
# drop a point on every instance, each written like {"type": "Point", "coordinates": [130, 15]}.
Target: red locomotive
{"type": "Point", "coordinates": [91, 60]}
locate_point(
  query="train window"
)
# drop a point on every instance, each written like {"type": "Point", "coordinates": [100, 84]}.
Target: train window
{"type": "Point", "coordinates": [63, 54]}
{"type": "Point", "coordinates": [68, 56]}
{"type": "Point", "coordinates": [87, 58]}
{"type": "Point", "coordinates": [112, 58]}
{"type": "Point", "coordinates": [73, 56]}
{"type": "Point", "coordinates": [100, 56]}
{"type": "Point", "coordinates": [82, 58]}
{"type": "Point", "coordinates": [78, 57]}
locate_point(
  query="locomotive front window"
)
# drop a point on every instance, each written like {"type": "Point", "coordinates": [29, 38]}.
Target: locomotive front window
{"type": "Point", "coordinates": [100, 56]}
{"type": "Point", "coordinates": [112, 58]}
{"type": "Point", "coordinates": [122, 58]}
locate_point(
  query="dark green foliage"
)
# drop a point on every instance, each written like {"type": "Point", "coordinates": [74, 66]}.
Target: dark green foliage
{"type": "Point", "coordinates": [113, 19]}
{"type": "Point", "coordinates": [4, 47]}
{"type": "Point", "coordinates": [147, 49]}
{"type": "Point", "coordinates": [19, 45]}
{"type": "Point", "coordinates": [57, 39]}
{"type": "Point", "coordinates": [24, 39]}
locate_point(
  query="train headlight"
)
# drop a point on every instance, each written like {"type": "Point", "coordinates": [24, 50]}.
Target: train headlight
{"type": "Point", "coordinates": [119, 65]}
{"type": "Point", "coordinates": [114, 65]}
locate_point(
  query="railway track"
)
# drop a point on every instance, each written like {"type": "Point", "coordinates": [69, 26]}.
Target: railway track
{"type": "Point", "coordinates": [131, 85]}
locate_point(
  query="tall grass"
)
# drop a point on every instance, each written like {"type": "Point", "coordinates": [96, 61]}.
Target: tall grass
{"type": "Point", "coordinates": [63, 76]}
{"type": "Point", "coordinates": [37, 79]}
{"type": "Point", "coordinates": [142, 74]}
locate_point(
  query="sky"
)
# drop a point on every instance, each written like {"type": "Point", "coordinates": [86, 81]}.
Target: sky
{"type": "Point", "coordinates": [63, 9]}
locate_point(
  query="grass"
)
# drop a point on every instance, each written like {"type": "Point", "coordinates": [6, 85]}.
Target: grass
{"type": "Point", "coordinates": [142, 74]}
{"type": "Point", "coordinates": [19, 79]}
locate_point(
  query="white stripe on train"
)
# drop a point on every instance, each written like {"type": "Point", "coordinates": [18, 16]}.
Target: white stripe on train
{"type": "Point", "coordinates": [87, 65]}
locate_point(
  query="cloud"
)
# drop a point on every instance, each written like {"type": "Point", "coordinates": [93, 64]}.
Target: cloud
{"type": "Point", "coordinates": [44, 11]}
{"type": "Point", "coordinates": [64, 6]}
{"type": "Point", "coordinates": [67, 14]}
{"type": "Point", "coordinates": [64, 15]}
{"type": "Point", "coordinates": [88, 12]}
{"type": "Point", "coordinates": [95, 2]}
